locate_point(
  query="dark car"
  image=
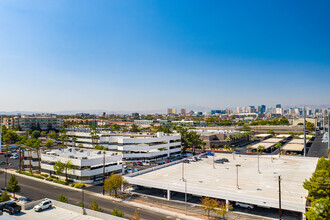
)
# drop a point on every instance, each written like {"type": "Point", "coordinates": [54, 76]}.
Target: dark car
{"type": "Point", "coordinates": [140, 163]}
{"type": "Point", "coordinates": [225, 160]}
{"type": "Point", "coordinates": [218, 161]}
{"type": "Point", "coordinates": [203, 156]}
{"type": "Point", "coordinates": [134, 163]}
{"type": "Point", "coordinates": [186, 161]}
{"type": "Point", "coordinates": [11, 208]}
{"type": "Point", "coordinates": [2, 163]}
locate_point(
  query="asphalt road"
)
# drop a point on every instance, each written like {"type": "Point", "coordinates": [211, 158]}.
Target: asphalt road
{"type": "Point", "coordinates": [318, 149]}
{"type": "Point", "coordinates": [36, 190]}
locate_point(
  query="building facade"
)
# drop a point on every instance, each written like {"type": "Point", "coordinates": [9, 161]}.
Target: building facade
{"type": "Point", "coordinates": [24, 122]}
{"type": "Point", "coordinates": [88, 163]}
{"type": "Point", "coordinates": [134, 146]}
{"type": "Point", "coordinates": [171, 111]}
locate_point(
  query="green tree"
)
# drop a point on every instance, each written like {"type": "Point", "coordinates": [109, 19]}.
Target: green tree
{"type": "Point", "coordinates": [13, 184]}
{"type": "Point", "coordinates": [278, 145]}
{"type": "Point", "coordinates": [222, 209]}
{"type": "Point", "coordinates": [117, 212]}
{"type": "Point", "coordinates": [68, 166]}
{"type": "Point", "coordinates": [116, 127]}
{"type": "Point", "coordinates": [36, 134]}
{"type": "Point", "coordinates": [94, 206]}
{"type": "Point", "coordinates": [260, 149]}
{"type": "Point", "coordinates": [49, 143]}
{"type": "Point", "coordinates": [74, 140]}
{"type": "Point", "coordinates": [320, 209]}
{"type": "Point", "coordinates": [114, 182]}
{"type": "Point", "coordinates": [59, 167]}
{"type": "Point", "coordinates": [10, 137]}
{"type": "Point", "coordinates": [134, 128]}
{"type": "Point", "coordinates": [52, 134]}
{"type": "Point", "coordinates": [62, 198]}
{"type": "Point", "coordinates": [209, 205]}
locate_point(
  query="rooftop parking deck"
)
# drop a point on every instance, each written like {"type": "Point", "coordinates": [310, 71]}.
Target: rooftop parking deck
{"type": "Point", "coordinates": [220, 182]}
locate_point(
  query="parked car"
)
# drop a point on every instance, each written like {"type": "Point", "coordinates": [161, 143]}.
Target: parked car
{"type": "Point", "coordinates": [2, 163]}
{"type": "Point", "coordinates": [136, 170]}
{"type": "Point", "coordinates": [203, 156]}
{"type": "Point", "coordinates": [1, 152]}
{"type": "Point", "coordinates": [140, 163]}
{"type": "Point", "coordinates": [244, 205]}
{"type": "Point", "coordinates": [11, 208]}
{"type": "Point", "coordinates": [43, 205]}
{"type": "Point", "coordinates": [209, 154]}
{"type": "Point", "coordinates": [129, 170]}
{"type": "Point", "coordinates": [192, 159]}
{"type": "Point", "coordinates": [134, 163]}
{"type": "Point", "coordinates": [225, 160]}
{"type": "Point", "coordinates": [23, 200]}
{"type": "Point", "coordinates": [186, 161]}
{"type": "Point", "coordinates": [218, 161]}
{"type": "Point", "coordinates": [14, 157]}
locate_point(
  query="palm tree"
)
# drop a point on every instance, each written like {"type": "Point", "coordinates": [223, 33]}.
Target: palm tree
{"type": "Point", "coordinates": [94, 137]}
{"type": "Point", "coordinates": [36, 145]}
{"type": "Point", "coordinates": [228, 139]}
{"type": "Point", "coordinates": [279, 145]}
{"type": "Point", "coordinates": [68, 166]}
{"type": "Point", "coordinates": [29, 144]}
{"type": "Point", "coordinates": [74, 140]}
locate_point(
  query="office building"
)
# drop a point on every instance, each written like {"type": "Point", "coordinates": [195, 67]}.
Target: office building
{"type": "Point", "coordinates": [213, 112]}
{"type": "Point", "coordinates": [171, 111]}
{"type": "Point", "coordinates": [88, 163]}
{"type": "Point", "coordinates": [133, 146]}
{"type": "Point", "coordinates": [183, 111]}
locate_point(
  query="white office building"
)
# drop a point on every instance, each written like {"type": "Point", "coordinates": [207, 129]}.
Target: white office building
{"type": "Point", "coordinates": [88, 163]}
{"type": "Point", "coordinates": [134, 146]}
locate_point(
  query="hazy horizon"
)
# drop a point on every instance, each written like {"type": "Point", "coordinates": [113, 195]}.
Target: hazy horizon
{"type": "Point", "coordinates": [150, 55]}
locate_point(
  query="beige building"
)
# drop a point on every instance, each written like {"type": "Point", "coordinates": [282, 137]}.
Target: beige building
{"type": "Point", "coordinates": [171, 111]}
{"type": "Point", "coordinates": [33, 121]}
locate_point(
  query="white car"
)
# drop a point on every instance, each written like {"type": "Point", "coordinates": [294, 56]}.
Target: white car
{"type": "Point", "coordinates": [14, 157]}
{"type": "Point", "coordinates": [244, 205]}
{"type": "Point", "coordinates": [43, 205]}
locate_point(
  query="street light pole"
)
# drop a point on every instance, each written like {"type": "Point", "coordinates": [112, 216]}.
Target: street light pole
{"type": "Point", "coordinates": [183, 170]}
{"type": "Point", "coordinates": [185, 194]}
{"type": "Point", "coordinates": [103, 171]}
{"type": "Point", "coordinates": [6, 178]}
{"type": "Point", "coordinates": [82, 198]}
{"type": "Point", "coordinates": [213, 159]}
{"type": "Point", "coordinates": [279, 198]}
{"type": "Point", "coordinates": [237, 165]}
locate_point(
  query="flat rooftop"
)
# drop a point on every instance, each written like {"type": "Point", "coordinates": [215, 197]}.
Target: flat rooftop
{"type": "Point", "coordinates": [80, 153]}
{"type": "Point", "coordinates": [259, 189]}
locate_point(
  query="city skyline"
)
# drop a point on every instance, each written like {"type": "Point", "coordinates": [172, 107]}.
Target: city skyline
{"type": "Point", "coordinates": [133, 56]}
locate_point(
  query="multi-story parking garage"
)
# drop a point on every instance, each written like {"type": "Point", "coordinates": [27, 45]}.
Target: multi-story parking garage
{"type": "Point", "coordinates": [134, 146]}
{"type": "Point", "coordinates": [256, 186]}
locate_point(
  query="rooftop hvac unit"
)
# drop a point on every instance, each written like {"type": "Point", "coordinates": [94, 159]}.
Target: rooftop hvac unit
{"type": "Point", "coordinates": [84, 158]}
{"type": "Point", "coordinates": [71, 156]}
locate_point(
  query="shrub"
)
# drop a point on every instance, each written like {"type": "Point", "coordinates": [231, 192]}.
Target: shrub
{"type": "Point", "coordinates": [62, 198]}
{"type": "Point", "coordinates": [54, 177]}
{"type": "Point", "coordinates": [56, 181]}
{"type": "Point", "coordinates": [72, 185]}
{"type": "Point", "coordinates": [38, 172]}
{"type": "Point", "coordinates": [49, 179]}
{"type": "Point", "coordinates": [44, 175]}
{"type": "Point", "coordinates": [79, 185]}
{"type": "Point", "coordinates": [4, 196]}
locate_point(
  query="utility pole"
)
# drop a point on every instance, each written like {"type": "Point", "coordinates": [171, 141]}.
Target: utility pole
{"type": "Point", "coordinates": [279, 198]}
{"type": "Point", "coordinates": [213, 159]}
{"type": "Point", "coordinates": [19, 154]}
{"type": "Point", "coordinates": [103, 171]}
{"type": "Point", "coordinates": [304, 132]}
{"type": "Point", "coordinates": [258, 163]}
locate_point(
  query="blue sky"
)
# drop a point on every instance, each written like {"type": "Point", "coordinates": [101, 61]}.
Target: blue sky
{"type": "Point", "coordinates": [146, 55]}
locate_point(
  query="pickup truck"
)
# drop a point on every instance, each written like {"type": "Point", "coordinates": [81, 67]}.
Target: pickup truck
{"type": "Point", "coordinates": [11, 208]}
